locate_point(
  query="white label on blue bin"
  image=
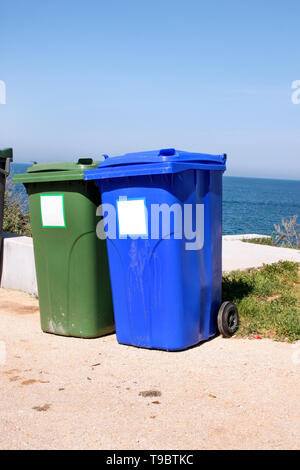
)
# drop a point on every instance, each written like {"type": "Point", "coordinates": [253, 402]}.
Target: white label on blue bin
{"type": "Point", "coordinates": [132, 217]}
{"type": "Point", "coordinates": [52, 210]}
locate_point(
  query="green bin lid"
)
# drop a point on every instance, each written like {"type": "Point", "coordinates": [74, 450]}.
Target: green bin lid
{"type": "Point", "coordinates": [6, 153]}
{"type": "Point", "coordinates": [60, 171]}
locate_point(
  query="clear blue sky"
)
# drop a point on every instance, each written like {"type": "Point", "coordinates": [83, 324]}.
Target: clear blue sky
{"type": "Point", "coordinates": [91, 77]}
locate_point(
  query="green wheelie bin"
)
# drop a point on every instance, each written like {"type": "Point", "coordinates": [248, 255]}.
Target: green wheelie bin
{"type": "Point", "coordinates": [6, 157]}
{"type": "Point", "coordinates": [71, 262]}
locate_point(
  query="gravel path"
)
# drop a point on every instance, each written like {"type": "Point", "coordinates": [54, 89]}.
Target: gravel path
{"type": "Point", "coordinates": [69, 393]}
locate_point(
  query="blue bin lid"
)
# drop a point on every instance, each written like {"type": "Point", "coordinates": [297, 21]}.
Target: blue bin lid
{"type": "Point", "coordinates": [155, 162]}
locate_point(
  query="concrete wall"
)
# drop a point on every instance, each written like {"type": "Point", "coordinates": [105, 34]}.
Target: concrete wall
{"type": "Point", "coordinates": [245, 236]}
{"type": "Point", "coordinates": [18, 268]}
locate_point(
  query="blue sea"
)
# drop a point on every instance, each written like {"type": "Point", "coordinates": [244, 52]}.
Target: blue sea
{"type": "Point", "coordinates": [250, 205]}
{"type": "Point", "coordinates": [254, 205]}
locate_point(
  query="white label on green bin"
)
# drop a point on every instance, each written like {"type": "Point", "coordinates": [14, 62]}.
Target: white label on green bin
{"type": "Point", "coordinates": [52, 210]}
{"type": "Point", "coordinates": [132, 217]}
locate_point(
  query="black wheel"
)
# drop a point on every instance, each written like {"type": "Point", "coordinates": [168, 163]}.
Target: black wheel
{"type": "Point", "coordinates": [228, 319]}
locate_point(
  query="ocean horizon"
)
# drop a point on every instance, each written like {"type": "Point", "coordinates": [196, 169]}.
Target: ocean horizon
{"type": "Point", "coordinates": [250, 204]}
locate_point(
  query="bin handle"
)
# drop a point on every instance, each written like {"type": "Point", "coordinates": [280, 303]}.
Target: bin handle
{"type": "Point", "coordinates": [85, 161]}
{"type": "Point", "coordinates": [167, 152]}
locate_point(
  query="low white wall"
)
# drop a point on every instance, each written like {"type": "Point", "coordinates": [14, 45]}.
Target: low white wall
{"type": "Point", "coordinates": [18, 268]}
{"type": "Point", "coordinates": [245, 236]}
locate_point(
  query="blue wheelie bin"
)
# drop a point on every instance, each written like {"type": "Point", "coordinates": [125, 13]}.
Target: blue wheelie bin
{"type": "Point", "coordinates": [162, 217]}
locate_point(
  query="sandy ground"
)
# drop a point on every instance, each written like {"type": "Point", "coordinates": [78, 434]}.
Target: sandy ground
{"type": "Point", "coordinates": [69, 393]}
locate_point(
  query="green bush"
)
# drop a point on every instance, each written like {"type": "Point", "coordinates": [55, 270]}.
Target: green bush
{"type": "Point", "coordinates": [16, 218]}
